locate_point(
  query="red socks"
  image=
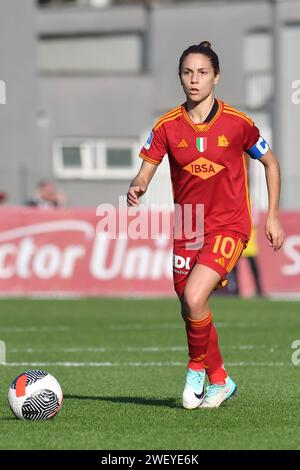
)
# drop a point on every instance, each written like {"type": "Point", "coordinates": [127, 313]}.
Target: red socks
{"type": "Point", "coordinates": [214, 361]}
{"type": "Point", "coordinates": [204, 349]}
{"type": "Point", "coordinates": [198, 334]}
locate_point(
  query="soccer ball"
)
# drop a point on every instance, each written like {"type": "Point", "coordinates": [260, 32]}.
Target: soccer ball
{"type": "Point", "coordinates": [35, 395]}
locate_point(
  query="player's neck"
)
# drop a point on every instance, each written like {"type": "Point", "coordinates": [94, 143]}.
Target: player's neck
{"type": "Point", "coordinates": [198, 112]}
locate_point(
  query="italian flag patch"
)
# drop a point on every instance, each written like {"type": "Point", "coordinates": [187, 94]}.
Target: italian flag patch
{"type": "Point", "coordinates": [201, 143]}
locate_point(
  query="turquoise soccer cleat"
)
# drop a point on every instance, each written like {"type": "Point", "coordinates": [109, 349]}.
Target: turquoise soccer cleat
{"type": "Point", "coordinates": [193, 393]}
{"type": "Point", "coordinates": [217, 394]}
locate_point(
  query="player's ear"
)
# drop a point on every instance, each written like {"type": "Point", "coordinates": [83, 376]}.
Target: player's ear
{"type": "Point", "coordinates": [217, 78]}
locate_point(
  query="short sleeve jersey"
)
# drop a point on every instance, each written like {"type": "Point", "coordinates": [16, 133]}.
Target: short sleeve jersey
{"type": "Point", "coordinates": [207, 163]}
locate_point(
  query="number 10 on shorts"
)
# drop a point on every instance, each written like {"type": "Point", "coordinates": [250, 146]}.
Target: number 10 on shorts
{"type": "Point", "coordinates": [229, 248]}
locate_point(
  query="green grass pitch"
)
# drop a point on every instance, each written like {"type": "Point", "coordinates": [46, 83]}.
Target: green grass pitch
{"type": "Point", "coordinates": [121, 364]}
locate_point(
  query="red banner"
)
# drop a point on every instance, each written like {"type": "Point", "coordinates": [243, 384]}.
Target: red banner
{"type": "Point", "coordinates": [58, 251]}
{"type": "Point", "coordinates": [45, 251]}
{"type": "Point", "coordinates": [280, 270]}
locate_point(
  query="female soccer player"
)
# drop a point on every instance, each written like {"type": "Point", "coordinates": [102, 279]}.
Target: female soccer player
{"type": "Point", "coordinates": [205, 139]}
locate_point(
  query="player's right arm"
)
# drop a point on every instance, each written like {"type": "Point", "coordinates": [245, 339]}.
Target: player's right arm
{"type": "Point", "coordinates": [152, 154]}
{"type": "Point", "coordinates": [139, 184]}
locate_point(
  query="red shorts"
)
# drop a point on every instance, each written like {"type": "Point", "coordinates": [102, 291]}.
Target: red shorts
{"type": "Point", "coordinates": [219, 252]}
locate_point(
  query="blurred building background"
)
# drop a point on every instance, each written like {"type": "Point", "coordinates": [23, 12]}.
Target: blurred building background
{"type": "Point", "coordinates": [86, 79]}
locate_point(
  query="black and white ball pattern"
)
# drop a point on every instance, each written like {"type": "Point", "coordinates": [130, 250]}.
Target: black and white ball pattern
{"type": "Point", "coordinates": [42, 405]}
{"type": "Point", "coordinates": [32, 377]}
{"type": "Point", "coordinates": [35, 395]}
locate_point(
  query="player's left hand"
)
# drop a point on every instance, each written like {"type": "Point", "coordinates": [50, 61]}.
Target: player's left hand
{"type": "Point", "coordinates": [274, 233]}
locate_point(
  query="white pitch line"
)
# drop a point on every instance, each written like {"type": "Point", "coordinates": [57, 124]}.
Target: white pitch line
{"type": "Point", "coordinates": [29, 329]}
{"type": "Point", "coordinates": [97, 350]}
{"type": "Point", "coordinates": [141, 326]}
{"type": "Point", "coordinates": [150, 349]}
{"type": "Point", "coordinates": [243, 347]}
{"type": "Point", "coordinates": [136, 364]}
{"type": "Point", "coordinates": [93, 364]}
{"type": "Point", "coordinates": [135, 326]}
{"type": "Point", "coordinates": [176, 326]}
{"type": "Point", "coordinates": [257, 364]}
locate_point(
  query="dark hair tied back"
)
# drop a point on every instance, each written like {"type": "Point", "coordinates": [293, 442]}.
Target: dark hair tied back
{"type": "Point", "coordinates": [203, 48]}
{"type": "Point", "coordinates": [205, 44]}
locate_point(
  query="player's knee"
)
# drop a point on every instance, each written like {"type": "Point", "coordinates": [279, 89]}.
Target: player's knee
{"type": "Point", "coordinates": [194, 303]}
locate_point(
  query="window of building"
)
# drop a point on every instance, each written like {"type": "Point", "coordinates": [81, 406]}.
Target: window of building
{"type": "Point", "coordinates": [102, 3]}
{"type": "Point", "coordinates": [80, 3]}
{"type": "Point", "coordinates": [258, 69]}
{"type": "Point", "coordinates": [55, 3]}
{"type": "Point", "coordinates": [97, 158]}
{"type": "Point", "coordinates": [118, 157]}
{"type": "Point", "coordinates": [71, 157]}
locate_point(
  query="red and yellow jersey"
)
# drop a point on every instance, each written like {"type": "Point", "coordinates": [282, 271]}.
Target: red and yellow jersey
{"type": "Point", "coordinates": [207, 163]}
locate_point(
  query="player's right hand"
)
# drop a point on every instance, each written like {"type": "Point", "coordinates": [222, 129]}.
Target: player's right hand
{"type": "Point", "coordinates": [133, 195]}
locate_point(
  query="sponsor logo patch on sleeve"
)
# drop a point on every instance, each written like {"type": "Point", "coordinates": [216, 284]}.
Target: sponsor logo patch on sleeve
{"type": "Point", "coordinates": [148, 141]}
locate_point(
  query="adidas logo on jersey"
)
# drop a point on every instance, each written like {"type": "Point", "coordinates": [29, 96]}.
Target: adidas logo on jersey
{"type": "Point", "coordinates": [183, 143]}
{"type": "Point", "coordinates": [203, 168]}
{"type": "Point", "coordinates": [221, 262]}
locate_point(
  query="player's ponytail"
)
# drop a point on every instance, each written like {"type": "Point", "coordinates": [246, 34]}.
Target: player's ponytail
{"type": "Point", "coordinates": [205, 44]}
{"type": "Point", "coordinates": [203, 48]}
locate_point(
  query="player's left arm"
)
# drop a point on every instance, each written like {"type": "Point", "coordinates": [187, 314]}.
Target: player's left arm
{"type": "Point", "coordinates": [273, 228]}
